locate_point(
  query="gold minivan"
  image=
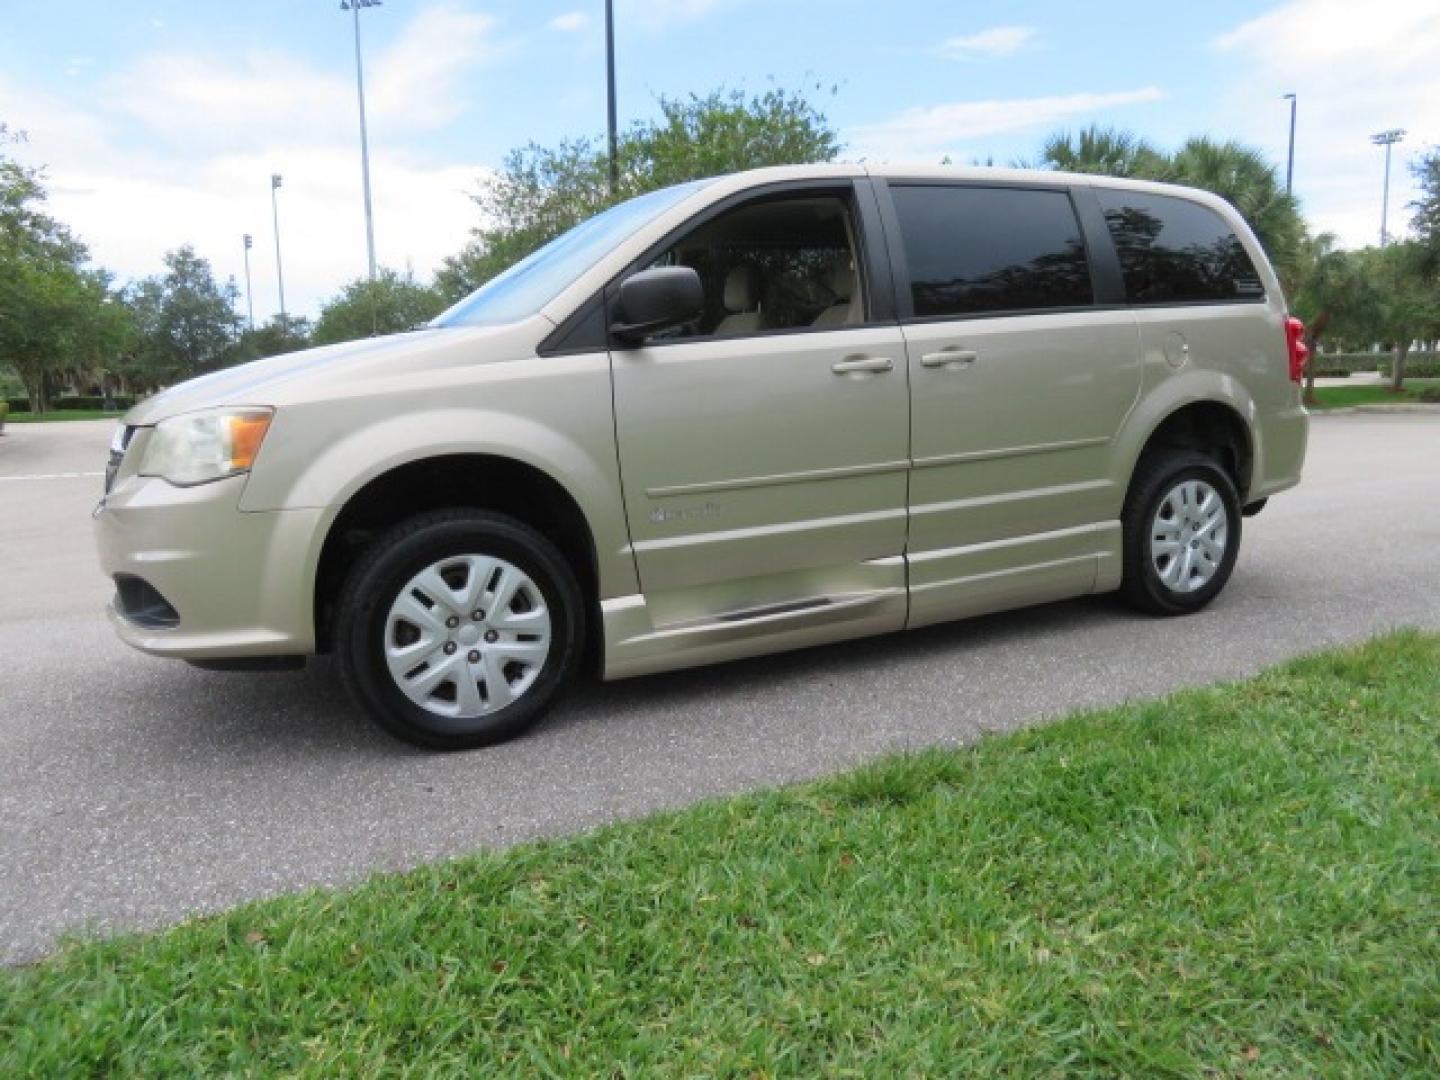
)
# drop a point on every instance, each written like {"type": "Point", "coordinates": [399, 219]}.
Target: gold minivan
{"type": "Point", "coordinates": [753, 413]}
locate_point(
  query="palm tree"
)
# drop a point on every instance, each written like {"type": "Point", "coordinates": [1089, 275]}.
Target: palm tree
{"type": "Point", "coordinates": [1242, 175]}
{"type": "Point", "coordinates": [1103, 150]}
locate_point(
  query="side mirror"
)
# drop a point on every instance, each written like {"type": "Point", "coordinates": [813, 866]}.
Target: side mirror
{"type": "Point", "coordinates": [657, 299]}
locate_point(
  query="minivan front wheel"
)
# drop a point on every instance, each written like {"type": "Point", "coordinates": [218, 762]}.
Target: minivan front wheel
{"type": "Point", "coordinates": [458, 628]}
{"type": "Point", "coordinates": [1181, 533]}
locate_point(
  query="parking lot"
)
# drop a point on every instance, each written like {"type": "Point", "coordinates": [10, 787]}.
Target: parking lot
{"type": "Point", "coordinates": [134, 791]}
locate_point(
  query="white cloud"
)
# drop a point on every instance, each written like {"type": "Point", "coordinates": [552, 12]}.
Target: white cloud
{"type": "Point", "coordinates": [415, 80]}
{"type": "Point", "coordinates": [411, 86]}
{"type": "Point", "coordinates": [178, 148]}
{"type": "Point", "coordinates": [929, 133]}
{"type": "Point", "coordinates": [570, 22]}
{"type": "Point", "coordinates": [1357, 69]}
{"type": "Point", "coordinates": [988, 44]}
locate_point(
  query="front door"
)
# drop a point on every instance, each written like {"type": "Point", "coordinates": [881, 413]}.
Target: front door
{"type": "Point", "coordinates": [764, 449]}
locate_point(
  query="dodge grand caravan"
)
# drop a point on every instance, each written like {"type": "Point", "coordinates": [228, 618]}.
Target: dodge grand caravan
{"type": "Point", "coordinates": [753, 413]}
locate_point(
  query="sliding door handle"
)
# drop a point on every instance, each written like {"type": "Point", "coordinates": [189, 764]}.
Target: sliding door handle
{"type": "Point", "coordinates": [860, 365]}
{"type": "Point", "coordinates": [952, 358]}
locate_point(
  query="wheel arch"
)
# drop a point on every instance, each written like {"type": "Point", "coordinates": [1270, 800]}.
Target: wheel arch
{"type": "Point", "coordinates": [1209, 425]}
{"type": "Point", "coordinates": [441, 481]}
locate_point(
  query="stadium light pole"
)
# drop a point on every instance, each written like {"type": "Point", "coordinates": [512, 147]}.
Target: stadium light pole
{"type": "Point", "coordinates": [249, 292]}
{"type": "Point", "coordinates": [354, 6]}
{"type": "Point", "coordinates": [1290, 160]}
{"type": "Point", "coordinates": [610, 94]}
{"type": "Point", "coordinates": [1386, 139]}
{"type": "Point", "coordinates": [275, 181]}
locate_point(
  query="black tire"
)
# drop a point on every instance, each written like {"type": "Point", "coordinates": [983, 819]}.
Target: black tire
{"type": "Point", "coordinates": [385, 569]}
{"type": "Point", "coordinates": [1157, 475]}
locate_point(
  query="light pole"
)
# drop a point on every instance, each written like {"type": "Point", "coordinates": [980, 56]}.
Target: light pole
{"type": "Point", "coordinates": [249, 292]}
{"type": "Point", "coordinates": [1290, 161]}
{"type": "Point", "coordinates": [610, 96]}
{"type": "Point", "coordinates": [1386, 139]}
{"type": "Point", "coordinates": [275, 181]}
{"type": "Point", "coordinates": [354, 6]}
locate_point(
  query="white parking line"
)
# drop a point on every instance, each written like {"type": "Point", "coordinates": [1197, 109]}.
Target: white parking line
{"type": "Point", "coordinates": [53, 476]}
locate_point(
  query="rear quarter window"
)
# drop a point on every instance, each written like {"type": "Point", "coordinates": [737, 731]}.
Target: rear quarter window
{"type": "Point", "coordinates": [1174, 251]}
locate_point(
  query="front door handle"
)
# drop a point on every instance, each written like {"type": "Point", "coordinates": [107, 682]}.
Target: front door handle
{"type": "Point", "coordinates": [952, 358]}
{"type": "Point", "coordinates": [863, 364]}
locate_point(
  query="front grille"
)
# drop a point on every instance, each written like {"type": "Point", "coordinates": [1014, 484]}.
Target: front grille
{"type": "Point", "coordinates": [118, 445]}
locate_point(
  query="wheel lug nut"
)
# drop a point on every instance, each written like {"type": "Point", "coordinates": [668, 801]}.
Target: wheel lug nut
{"type": "Point", "coordinates": [491, 636]}
{"type": "Point", "coordinates": [477, 615]}
{"type": "Point", "coordinates": [452, 622]}
{"type": "Point", "coordinates": [474, 656]}
{"type": "Point", "coordinates": [449, 648]}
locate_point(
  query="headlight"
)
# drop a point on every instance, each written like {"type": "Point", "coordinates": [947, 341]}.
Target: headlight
{"type": "Point", "coordinates": [202, 446]}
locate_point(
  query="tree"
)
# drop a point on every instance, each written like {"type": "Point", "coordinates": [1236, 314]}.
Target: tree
{"type": "Point", "coordinates": [1331, 292]}
{"type": "Point", "coordinates": [272, 339]}
{"type": "Point", "coordinates": [386, 306]}
{"type": "Point", "coordinates": [1102, 150]}
{"type": "Point", "coordinates": [50, 303]}
{"type": "Point", "coordinates": [1426, 221]}
{"type": "Point", "coordinates": [1407, 306]}
{"type": "Point", "coordinates": [185, 322]}
{"type": "Point", "coordinates": [541, 191]}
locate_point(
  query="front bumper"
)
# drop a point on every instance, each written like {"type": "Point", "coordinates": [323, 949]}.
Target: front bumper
{"type": "Point", "coordinates": [240, 582]}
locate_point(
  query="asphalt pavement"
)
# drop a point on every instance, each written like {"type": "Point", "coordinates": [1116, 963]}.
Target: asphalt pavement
{"type": "Point", "coordinates": [136, 791]}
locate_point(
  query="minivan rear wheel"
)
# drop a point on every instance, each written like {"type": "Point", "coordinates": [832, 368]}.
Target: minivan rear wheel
{"type": "Point", "coordinates": [458, 628]}
{"type": "Point", "coordinates": [1181, 533]}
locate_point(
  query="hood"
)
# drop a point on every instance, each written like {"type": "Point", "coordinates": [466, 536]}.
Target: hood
{"type": "Point", "coordinates": [278, 380]}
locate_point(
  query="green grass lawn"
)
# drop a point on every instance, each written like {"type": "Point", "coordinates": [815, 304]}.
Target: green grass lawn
{"type": "Point", "coordinates": [1241, 881]}
{"type": "Point", "coordinates": [1334, 397]}
{"type": "Point", "coordinates": [62, 414]}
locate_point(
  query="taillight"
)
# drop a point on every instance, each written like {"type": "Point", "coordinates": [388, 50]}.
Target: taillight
{"type": "Point", "coordinates": [1299, 351]}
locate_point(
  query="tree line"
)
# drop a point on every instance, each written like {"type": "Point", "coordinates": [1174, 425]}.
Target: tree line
{"type": "Point", "coordinates": [66, 322]}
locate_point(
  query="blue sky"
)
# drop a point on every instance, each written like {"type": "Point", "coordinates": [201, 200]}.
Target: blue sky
{"type": "Point", "coordinates": [160, 121]}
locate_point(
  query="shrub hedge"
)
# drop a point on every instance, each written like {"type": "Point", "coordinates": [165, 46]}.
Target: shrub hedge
{"type": "Point", "coordinates": [61, 404]}
{"type": "Point", "coordinates": [1418, 365]}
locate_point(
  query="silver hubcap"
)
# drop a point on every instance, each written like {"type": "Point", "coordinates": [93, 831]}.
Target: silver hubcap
{"type": "Point", "coordinates": [1189, 536]}
{"type": "Point", "coordinates": [467, 636]}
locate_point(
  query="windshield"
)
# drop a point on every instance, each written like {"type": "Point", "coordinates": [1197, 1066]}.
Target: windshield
{"type": "Point", "coordinates": [538, 278]}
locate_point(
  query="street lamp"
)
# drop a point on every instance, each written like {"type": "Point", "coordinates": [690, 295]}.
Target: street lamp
{"type": "Point", "coordinates": [1386, 139]}
{"type": "Point", "coordinates": [249, 292]}
{"type": "Point", "coordinates": [354, 6]}
{"type": "Point", "coordinates": [610, 97]}
{"type": "Point", "coordinates": [1290, 161]}
{"type": "Point", "coordinates": [275, 181]}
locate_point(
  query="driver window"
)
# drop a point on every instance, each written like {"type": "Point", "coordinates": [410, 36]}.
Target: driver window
{"type": "Point", "coordinates": [778, 264]}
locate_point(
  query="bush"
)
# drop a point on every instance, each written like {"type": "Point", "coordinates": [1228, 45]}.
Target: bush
{"type": "Point", "coordinates": [90, 404]}
{"type": "Point", "coordinates": [1431, 394]}
{"type": "Point", "coordinates": [1336, 365]}
{"type": "Point", "coordinates": [1417, 367]}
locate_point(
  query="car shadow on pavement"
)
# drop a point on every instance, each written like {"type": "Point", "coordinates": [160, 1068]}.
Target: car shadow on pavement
{"type": "Point", "coordinates": [309, 713]}
{"type": "Point", "coordinates": [856, 660]}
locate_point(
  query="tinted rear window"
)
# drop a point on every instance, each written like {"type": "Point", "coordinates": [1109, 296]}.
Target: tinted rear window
{"type": "Point", "coordinates": [1175, 251]}
{"type": "Point", "coordinates": [977, 249]}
